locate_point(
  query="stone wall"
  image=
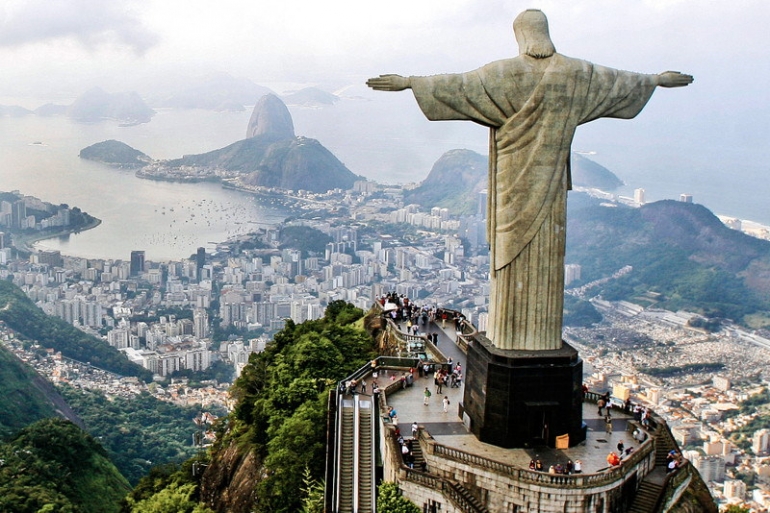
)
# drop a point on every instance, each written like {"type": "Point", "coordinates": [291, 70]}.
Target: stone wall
{"type": "Point", "coordinates": [504, 488]}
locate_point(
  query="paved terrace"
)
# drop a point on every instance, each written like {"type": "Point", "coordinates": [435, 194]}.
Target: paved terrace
{"type": "Point", "coordinates": [448, 429]}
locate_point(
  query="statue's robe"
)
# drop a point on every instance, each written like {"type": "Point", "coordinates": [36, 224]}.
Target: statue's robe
{"type": "Point", "coordinates": [532, 107]}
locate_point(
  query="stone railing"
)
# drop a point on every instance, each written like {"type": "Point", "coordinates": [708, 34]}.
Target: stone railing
{"type": "Point", "coordinates": [441, 485]}
{"type": "Point", "coordinates": [466, 331]}
{"type": "Point", "coordinates": [408, 343]}
{"type": "Point", "coordinates": [403, 340]}
{"type": "Point", "coordinates": [672, 483]}
{"type": "Point", "coordinates": [614, 474]}
{"type": "Point", "coordinates": [395, 461]}
{"type": "Point", "coordinates": [653, 421]}
{"type": "Point", "coordinates": [379, 363]}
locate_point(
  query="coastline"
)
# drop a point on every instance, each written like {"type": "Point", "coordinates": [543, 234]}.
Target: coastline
{"type": "Point", "coordinates": [26, 243]}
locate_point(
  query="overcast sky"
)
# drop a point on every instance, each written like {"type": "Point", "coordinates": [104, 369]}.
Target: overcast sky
{"type": "Point", "coordinates": [56, 49]}
{"type": "Point", "coordinates": [53, 44]}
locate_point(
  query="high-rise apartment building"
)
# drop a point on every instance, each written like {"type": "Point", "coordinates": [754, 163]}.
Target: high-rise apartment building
{"type": "Point", "coordinates": [760, 442]}
{"type": "Point", "coordinates": [137, 263]}
{"type": "Point", "coordinates": [571, 273]}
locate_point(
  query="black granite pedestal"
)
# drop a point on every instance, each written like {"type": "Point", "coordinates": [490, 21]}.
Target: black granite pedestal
{"type": "Point", "coordinates": [518, 398]}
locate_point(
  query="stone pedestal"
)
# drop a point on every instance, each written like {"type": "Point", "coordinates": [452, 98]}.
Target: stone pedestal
{"type": "Point", "coordinates": [517, 398]}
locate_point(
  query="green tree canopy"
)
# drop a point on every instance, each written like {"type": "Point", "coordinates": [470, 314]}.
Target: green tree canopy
{"type": "Point", "coordinates": [390, 500]}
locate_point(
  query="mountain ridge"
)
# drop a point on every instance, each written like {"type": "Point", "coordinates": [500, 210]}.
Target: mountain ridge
{"type": "Point", "coordinates": [459, 175]}
{"type": "Point", "coordinates": [680, 252]}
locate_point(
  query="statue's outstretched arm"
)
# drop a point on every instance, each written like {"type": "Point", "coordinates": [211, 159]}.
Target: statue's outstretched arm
{"type": "Point", "coordinates": [674, 79]}
{"type": "Point", "coordinates": [389, 83]}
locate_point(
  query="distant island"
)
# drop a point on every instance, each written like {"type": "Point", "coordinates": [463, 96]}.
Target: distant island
{"type": "Point", "coordinates": [97, 105]}
{"type": "Point", "coordinates": [271, 156]}
{"type": "Point", "coordinates": [127, 108]}
{"type": "Point", "coordinates": [115, 153]}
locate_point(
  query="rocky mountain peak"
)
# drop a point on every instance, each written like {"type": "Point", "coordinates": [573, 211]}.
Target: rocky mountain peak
{"type": "Point", "coordinates": [271, 118]}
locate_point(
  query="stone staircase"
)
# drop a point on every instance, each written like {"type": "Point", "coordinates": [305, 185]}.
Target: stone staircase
{"type": "Point", "coordinates": [647, 497]}
{"type": "Point", "coordinates": [652, 486]}
{"type": "Point", "coordinates": [464, 499]}
{"type": "Point", "coordinates": [419, 459]}
{"type": "Point", "coordinates": [664, 444]}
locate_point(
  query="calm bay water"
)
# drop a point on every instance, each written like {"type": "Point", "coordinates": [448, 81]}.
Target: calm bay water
{"type": "Point", "coordinates": [386, 141]}
{"type": "Point", "coordinates": [167, 220]}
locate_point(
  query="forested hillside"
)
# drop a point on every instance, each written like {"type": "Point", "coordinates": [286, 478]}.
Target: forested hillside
{"type": "Point", "coordinates": [280, 414]}
{"type": "Point", "coordinates": [20, 400]}
{"type": "Point", "coordinates": [270, 452]}
{"type": "Point", "coordinates": [53, 465]}
{"type": "Point", "coordinates": [682, 256]}
{"type": "Point", "coordinates": [30, 322]}
{"type": "Point", "coordinates": [137, 432]}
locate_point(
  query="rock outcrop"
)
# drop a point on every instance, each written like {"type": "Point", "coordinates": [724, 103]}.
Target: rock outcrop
{"type": "Point", "coordinates": [228, 483]}
{"type": "Point", "coordinates": [270, 119]}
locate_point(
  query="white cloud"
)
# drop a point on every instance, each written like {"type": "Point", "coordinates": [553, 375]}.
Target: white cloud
{"type": "Point", "coordinates": [91, 23]}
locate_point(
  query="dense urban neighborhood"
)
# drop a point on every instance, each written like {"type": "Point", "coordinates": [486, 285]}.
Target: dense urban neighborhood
{"type": "Point", "coordinates": [203, 316]}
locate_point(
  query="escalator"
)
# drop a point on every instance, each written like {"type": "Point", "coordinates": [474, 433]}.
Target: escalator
{"type": "Point", "coordinates": [355, 476]}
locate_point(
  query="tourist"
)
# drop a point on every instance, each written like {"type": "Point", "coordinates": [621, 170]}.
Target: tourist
{"type": "Point", "coordinates": [578, 467]}
{"type": "Point", "coordinates": [414, 429]}
{"type": "Point", "coordinates": [426, 396]}
{"type": "Point", "coordinates": [445, 401]}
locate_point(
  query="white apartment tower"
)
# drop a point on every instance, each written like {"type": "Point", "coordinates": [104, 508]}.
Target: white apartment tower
{"type": "Point", "coordinates": [735, 490]}
{"type": "Point", "coordinates": [571, 273]}
{"type": "Point", "coordinates": [760, 442]}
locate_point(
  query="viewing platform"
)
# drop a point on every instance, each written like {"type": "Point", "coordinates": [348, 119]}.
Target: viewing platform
{"type": "Point", "coordinates": [448, 429]}
{"type": "Point", "coordinates": [442, 466]}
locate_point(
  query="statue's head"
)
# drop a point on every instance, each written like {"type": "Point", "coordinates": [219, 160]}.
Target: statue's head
{"type": "Point", "coordinates": [531, 30]}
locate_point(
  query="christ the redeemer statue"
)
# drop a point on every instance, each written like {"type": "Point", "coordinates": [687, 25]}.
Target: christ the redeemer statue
{"type": "Point", "coordinates": [532, 103]}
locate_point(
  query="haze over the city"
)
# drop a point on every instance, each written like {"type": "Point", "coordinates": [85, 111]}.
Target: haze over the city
{"type": "Point", "coordinates": [711, 133]}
